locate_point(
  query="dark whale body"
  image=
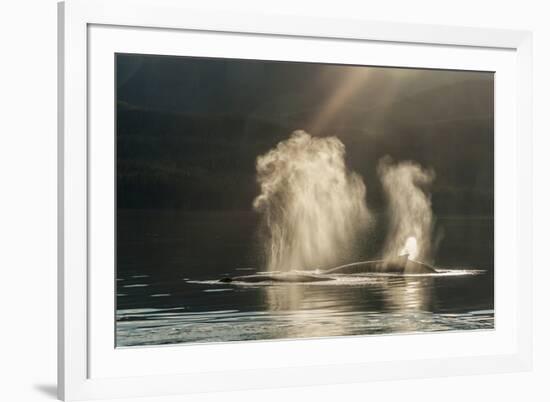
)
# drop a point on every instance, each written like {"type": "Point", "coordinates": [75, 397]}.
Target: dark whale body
{"type": "Point", "coordinates": [286, 278]}
{"type": "Point", "coordinates": [398, 265]}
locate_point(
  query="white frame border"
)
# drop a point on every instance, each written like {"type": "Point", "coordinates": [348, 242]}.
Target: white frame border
{"type": "Point", "coordinates": [74, 18]}
{"type": "Point", "coordinates": [104, 42]}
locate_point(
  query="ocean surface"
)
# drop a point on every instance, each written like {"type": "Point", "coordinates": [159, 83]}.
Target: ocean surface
{"type": "Point", "coordinates": [169, 264]}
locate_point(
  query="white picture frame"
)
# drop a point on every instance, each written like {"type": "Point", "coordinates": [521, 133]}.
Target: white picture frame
{"type": "Point", "coordinates": [89, 367]}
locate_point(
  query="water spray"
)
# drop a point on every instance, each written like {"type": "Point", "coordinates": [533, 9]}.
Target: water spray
{"type": "Point", "coordinates": [409, 209]}
{"type": "Point", "coordinates": [313, 207]}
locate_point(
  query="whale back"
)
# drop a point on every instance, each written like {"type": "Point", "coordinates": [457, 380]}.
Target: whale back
{"type": "Point", "coordinates": [399, 265]}
{"type": "Point", "coordinates": [282, 278]}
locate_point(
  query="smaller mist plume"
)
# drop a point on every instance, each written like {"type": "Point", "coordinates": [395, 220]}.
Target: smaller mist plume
{"type": "Point", "coordinates": [313, 208]}
{"type": "Point", "coordinates": [411, 220]}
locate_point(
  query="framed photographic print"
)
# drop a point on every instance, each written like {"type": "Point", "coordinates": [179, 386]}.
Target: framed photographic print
{"type": "Point", "coordinates": [243, 197]}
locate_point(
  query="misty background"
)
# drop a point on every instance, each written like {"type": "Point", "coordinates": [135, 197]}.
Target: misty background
{"type": "Point", "coordinates": [189, 131]}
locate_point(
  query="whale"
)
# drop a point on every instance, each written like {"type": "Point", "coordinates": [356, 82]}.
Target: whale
{"type": "Point", "coordinates": [398, 265]}
{"type": "Point", "coordinates": [284, 278]}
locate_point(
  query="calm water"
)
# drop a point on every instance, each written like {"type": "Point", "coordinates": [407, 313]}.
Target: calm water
{"type": "Point", "coordinates": [168, 264]}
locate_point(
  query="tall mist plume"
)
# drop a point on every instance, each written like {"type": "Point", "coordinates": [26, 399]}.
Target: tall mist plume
{"type": "Point", "coordinates": [313, 208]}
{"type": "Point", "coordinates": [411, 220]}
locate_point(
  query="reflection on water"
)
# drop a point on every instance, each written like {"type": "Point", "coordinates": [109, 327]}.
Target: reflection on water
{"type": "Point", "coordinates": [353, 305]}
{"type": "Point", "coordinates": [323, 311]}
{"type": "Point", "coordinates": [167, 292]}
